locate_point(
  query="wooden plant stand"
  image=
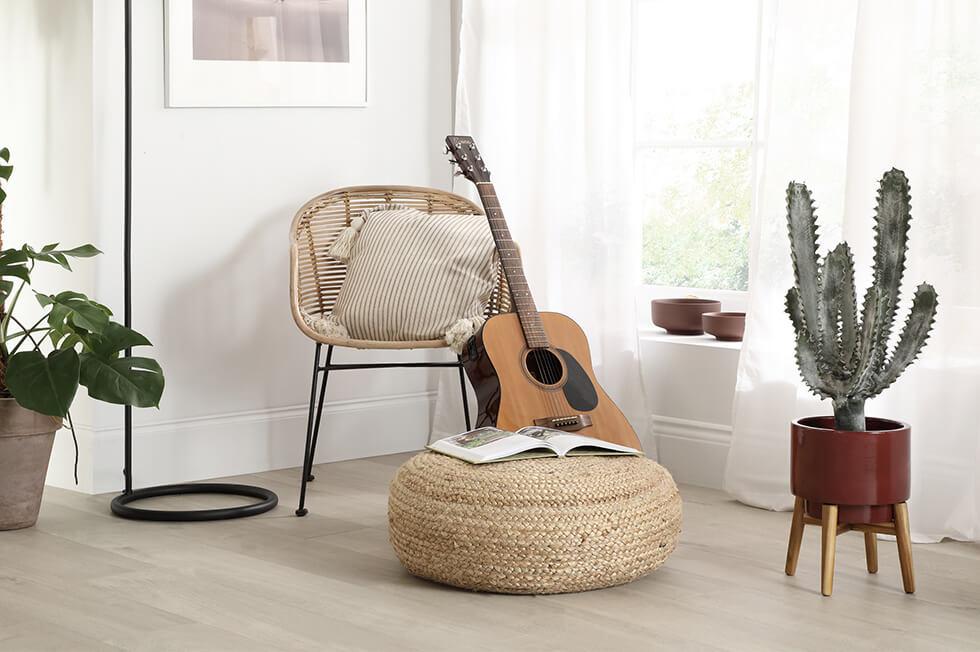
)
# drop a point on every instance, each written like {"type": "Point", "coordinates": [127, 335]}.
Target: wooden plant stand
{"type": "Point", "coordinates": [899, 528]}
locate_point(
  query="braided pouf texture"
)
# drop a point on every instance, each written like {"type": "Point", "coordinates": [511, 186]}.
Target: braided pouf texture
{"type": "Point", "coordinates": [535, 526]}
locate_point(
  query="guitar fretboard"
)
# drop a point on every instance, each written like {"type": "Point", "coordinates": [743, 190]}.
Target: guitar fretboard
{"type": "Point", "coordinates": [510, 260]}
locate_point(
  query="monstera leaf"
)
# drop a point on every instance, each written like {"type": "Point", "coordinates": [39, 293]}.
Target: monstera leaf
{"type": "Point", "coordinates": [115, 338]}
{"type": "Point", "coordinates": [51, 254]}
{"type": "Point", "coordinates": [44, 384]}
{"type": "Point", "coordinates": [77, 308]}
{"type": "Point", "coordinates": [125, 381]}
{"type": "Point", "coordinates": [5, 170]}
{"type": "Point", "coordinates": [13, 262]}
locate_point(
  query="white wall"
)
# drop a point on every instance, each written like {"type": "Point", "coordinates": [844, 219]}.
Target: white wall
{"type": "Point", "coordinates": [214, 193]}
{"type": "Point", "coordinates": [46, 122]}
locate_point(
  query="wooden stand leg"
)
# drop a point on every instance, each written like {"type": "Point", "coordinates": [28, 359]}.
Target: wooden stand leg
{"type": "Point", "coordinates": [795, 537]}
{"type": "Point", "coordinates": [828, 548]}
{"type": "Point", "coordinates": [871, 551]}
{"type": "Point", "coordinates": [904, 539]}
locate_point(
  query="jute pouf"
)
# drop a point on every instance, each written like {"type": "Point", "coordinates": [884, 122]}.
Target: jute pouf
{"type": "Point", "coordinates": [533, 526]}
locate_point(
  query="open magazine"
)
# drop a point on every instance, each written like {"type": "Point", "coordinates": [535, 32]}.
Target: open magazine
{"type": "Point", "coordinates": [485, 445]}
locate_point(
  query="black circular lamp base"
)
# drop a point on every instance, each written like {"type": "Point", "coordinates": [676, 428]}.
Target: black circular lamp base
{"type": "Point", "coordinates": [266, 500]}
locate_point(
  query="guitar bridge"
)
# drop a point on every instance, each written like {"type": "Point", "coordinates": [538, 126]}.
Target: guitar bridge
{"type": "Point", "coordinates": [569, 423]}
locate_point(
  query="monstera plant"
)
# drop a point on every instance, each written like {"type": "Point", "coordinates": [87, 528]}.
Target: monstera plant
{"type": "Point", "coordinates": [849, 470]}
{"type": "Point", "coordinates": [69, 340]}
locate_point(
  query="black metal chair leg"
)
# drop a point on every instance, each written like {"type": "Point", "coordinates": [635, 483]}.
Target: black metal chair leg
{"type": "Point", "coordinates": [316, 406]}
{"type": "Point", "coordinates": [307, 458]}
{"type": "Point", "coordinates": [466, 404]}
{"type": "Point", "coordinates": [319, 412]}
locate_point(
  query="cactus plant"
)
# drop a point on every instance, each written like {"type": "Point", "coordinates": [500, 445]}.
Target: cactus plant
{"type": "Point", "coordinates": [839, 357]}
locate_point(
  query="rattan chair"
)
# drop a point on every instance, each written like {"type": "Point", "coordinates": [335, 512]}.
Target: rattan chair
{"type": "Point", "coordinates": [315, 280]}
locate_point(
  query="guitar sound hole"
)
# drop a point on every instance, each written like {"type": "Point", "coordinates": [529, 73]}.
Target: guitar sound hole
{"type": "Point", "coordinates": [544, 366]}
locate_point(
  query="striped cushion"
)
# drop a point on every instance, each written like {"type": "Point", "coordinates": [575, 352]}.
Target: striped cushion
{"type": "Point", "coordinates": [413, 276]}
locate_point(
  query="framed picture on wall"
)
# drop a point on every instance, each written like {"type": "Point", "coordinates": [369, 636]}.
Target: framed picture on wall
{"type": "Point", "coordinates": [266, 53]}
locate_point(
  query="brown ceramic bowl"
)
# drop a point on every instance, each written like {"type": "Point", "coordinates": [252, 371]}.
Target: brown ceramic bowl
{"type": "Point", "coordinates": [682, 316]}
{"type": "Point", "coordinates": [725, 326]}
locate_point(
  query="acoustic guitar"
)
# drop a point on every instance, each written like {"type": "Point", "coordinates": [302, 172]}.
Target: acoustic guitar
{"type": "Point", "coordinates": [529, 367]}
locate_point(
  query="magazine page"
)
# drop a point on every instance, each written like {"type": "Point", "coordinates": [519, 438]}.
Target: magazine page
{"type": "Point", "coordinates": [489, 444]}
{"type": "Point", "coordinates": [566, 443]}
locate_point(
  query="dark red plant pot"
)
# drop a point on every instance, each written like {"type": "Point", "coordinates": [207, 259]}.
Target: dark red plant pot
{"type": "Point", "coordinates": [863, 472]}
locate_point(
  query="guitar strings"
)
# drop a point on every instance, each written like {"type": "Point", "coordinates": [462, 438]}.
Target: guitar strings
{"type": "Point", "coordinates": [540, 360]}
{"type": "Point", "coordinates": [549, 369]}
{"type": "Point", "coordinates": [555, 375]}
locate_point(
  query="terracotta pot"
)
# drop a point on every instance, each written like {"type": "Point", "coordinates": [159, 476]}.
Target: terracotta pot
{"type": "Point", "coordinates": [725, 326]}
{"type": "Point", "coordinates": [864, 472]}
{"type": "Point", "coordinates": [682, 316]}
{"type": "Point", "coordinates": [26, 438]}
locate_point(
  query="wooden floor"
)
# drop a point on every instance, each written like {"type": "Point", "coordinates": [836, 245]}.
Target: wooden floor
{"type": "Point", "coordinates": [83, 580]}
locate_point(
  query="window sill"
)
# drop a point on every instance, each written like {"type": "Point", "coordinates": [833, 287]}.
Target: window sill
{"type": "Point", "coordinates": [650, 334]}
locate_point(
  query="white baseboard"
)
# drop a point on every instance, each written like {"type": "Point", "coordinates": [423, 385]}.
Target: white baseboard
{"type": "Point", "coordinates": [694, 452]}
{"type": "Point", "coordinates": [247, 442]}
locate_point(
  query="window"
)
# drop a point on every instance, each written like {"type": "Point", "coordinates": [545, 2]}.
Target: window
{"type": "Point", "coordinates": [695, 68]}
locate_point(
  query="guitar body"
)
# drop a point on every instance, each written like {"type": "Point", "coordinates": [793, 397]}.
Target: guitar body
{"type": "Point", "coordinates": [556, 387]}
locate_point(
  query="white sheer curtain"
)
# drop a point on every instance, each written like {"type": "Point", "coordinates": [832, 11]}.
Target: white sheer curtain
{"type": "Point", "coordinates": [852, 89]}
{"type": "Point", "coordinates": [544, 88]}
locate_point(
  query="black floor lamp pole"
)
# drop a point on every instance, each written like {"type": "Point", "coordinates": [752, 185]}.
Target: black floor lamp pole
{"type": "Point", "coordinates": [121, 505]}
{"type": "Point", "coordinates": [128, 231]}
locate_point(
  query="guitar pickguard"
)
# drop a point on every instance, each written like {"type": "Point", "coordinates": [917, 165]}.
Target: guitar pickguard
{"type": "Point", "coordinates": [578, 388]}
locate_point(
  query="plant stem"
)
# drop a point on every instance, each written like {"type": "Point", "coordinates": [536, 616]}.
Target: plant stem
{"type": "Point", "coordinates": [24, 334]}
{"type": "Point", "coordinates": [74, 438]}
{"type": "Point", "coordinates": [849, 414]}
{"type": "Point", "coordinates": [10, 311]}
{"type": "Point", "coordinates": [28, 334]}
{"type": "Point", "coordinates": [3, 340]}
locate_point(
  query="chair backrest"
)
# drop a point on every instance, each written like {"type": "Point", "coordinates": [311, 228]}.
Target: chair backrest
{"type": "Point", "coordinates": [315, 277]}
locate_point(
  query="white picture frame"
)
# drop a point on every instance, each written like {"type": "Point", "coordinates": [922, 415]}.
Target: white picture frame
{"type": "Point", "coordinates": [213, 82]}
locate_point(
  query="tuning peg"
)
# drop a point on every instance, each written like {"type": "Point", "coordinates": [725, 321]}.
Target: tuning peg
{"type": "Point", "coordinates": [447, 150]}
{"type": "Point", "coordinates": [458, 173]}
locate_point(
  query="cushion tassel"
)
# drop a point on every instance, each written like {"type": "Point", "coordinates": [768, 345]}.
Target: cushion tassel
{"type": "Point", "coordinates": [341, 247]}
{"type": "Point", "coordinates": [460, 333]}
{"type": "Point", "coordinates": [327, 326]}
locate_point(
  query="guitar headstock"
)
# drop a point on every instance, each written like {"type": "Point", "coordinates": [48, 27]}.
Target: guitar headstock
{"type": "Point", "coordinates": [464, 154]}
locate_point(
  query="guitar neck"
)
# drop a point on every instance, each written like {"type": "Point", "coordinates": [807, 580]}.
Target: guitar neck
{"type": "Point", "coordinates": [510, 260]}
